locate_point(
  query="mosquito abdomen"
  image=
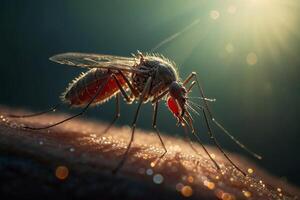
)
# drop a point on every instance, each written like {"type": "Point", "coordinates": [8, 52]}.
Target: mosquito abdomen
{"type": "Point", "coordinates": [85, 87]}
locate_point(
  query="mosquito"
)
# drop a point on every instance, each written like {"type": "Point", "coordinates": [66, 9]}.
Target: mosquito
{"type": "Point", "coordinates": [141, 78]}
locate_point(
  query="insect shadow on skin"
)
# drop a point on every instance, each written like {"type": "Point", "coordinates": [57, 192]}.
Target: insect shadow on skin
{"type": "Point", "coordinates": [142, 78]}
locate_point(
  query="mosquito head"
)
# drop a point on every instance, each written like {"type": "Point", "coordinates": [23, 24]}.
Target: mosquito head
{"type": "Point", "coordinates": [177, 99]}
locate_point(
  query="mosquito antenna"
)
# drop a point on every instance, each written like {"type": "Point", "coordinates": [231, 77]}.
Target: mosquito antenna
{"type": "Point", "coordinates": [195, 104]}
{"type": "Point", "coordinates": [235, 140]}
{"type": "Point", "coordinates": [218, 145]}
{"type": "Point", "coordinates": [192, 109]}
{"type": "Point", "coordinates": [206, 99]}
{"type": "Point", "coordinates": [51, 109]}
{"type": "Point", "coordinates": [221, 127]}
{"type": "Point", "coordinates": [175, 35]}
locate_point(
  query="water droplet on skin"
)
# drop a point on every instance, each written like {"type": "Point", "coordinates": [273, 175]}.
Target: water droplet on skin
{"type": "Point", "coordinates": [187, 191]}
{"type": "Point", "coordinates": [210, 185]}
{"type": "Point", "coordinates": [227, 196]}
{"type": "Point", "coordinates": [250, 171]}
{"type": "Point", "coordinates": [246, 193]}
{"type": "Point", "coordinates": [158, 178]}
{"type": "Point", "coordinates": [149, 172]}
{"type": "Point", "coordinates": [190, 179]}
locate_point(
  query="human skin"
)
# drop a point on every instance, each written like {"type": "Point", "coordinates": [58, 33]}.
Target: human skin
{"type": "Point", "coordinates": [30, 162]}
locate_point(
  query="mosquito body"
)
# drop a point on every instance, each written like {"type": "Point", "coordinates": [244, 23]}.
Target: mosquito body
{"type": "Point", "coordinates": [141, 78]}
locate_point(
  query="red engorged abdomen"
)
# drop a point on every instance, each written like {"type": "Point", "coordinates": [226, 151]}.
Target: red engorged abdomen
{"type": "Point", "coordinates": [173, 106]}
{"type": "Point", "coordinates": [85, 95]}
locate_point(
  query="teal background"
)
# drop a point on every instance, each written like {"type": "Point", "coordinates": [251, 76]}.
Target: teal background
{"type": "Point", "coordinates": [259, 104]}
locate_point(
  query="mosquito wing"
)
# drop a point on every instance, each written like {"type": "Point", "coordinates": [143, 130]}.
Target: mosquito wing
{"type": "Point", "coordinates": [89, 60]}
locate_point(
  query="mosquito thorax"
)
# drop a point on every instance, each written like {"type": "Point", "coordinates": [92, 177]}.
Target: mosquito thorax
{"type": "Point", "coordinates": [161, 69]}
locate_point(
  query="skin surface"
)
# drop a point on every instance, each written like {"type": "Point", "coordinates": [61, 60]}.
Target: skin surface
{"type": "Point", "coordinates": [34, 164]}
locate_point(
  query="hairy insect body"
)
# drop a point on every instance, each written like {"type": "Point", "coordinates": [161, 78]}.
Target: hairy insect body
{"type": "Point", "coordinates": [153, 78]}
{"type": "Point", "coordinates": [83, 88]}
{"type": "Point", "coordinates": [161, 70]}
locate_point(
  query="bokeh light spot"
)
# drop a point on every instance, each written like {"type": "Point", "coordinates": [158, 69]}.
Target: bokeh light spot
{"type": "Point", "coordinates": [179, 187]}
{"type": "Point", "coordinates": [214, 14]}
{"type": "Point", "coordinates": [62, 172]}
{"type": "Point", "coordinates": [229, 48]}
{"type": "Point", "coordinates": [251, 58]}
{"type": "Point", "coordinates": [250, 170]}
{"type": "Point", "coordinates": [232, 9]}
{"type": "Point", "coordinates": [190, 179]}
{"type": "Point", "coordinates": [187, 191]}
{"type": "Point", "coordinates": [210, 185]}
{"type": "Point", "coordinates": [227, 196]}
{"type": "Point", "coordinates": [149, 172]}
{"type": "Point", "coordinates": [247, 193]}
{"type": "Point", "coordinates": [158, 178]}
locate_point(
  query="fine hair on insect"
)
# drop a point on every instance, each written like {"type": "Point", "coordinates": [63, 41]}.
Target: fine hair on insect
{"type": "Point", "coordinates": [140, 78]}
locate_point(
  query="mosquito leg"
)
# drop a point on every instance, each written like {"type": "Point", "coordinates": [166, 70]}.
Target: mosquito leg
{"type": "Point", "coordinates": [201, 91]}
{"type": "Point", "coordinates": [117, 115]}
{"type": "Point", "coordinates": [199, 140]}
{"type": "Point", "coordinates": [141, 99]}
{"type": "Point", "coordinates": [159, 97]}
{"type": "Point", "coordinates": [52, 109]}
{"type": "Point", "coordinates": [156, 129]}
{"type": "Point", "coordinates": [189, 140]}
{"type": "Point", "coordinates": [218, 145]}
{"type": "Point", "coordinates": [74, 116]}
{"type": "Point", "coordinates": [121, 89]}
{"type": "Point", "coordinates": [132, 89]}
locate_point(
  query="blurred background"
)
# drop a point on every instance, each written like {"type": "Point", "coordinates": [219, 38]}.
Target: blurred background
{"type": "Point", "coordinates": [245, 51]}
